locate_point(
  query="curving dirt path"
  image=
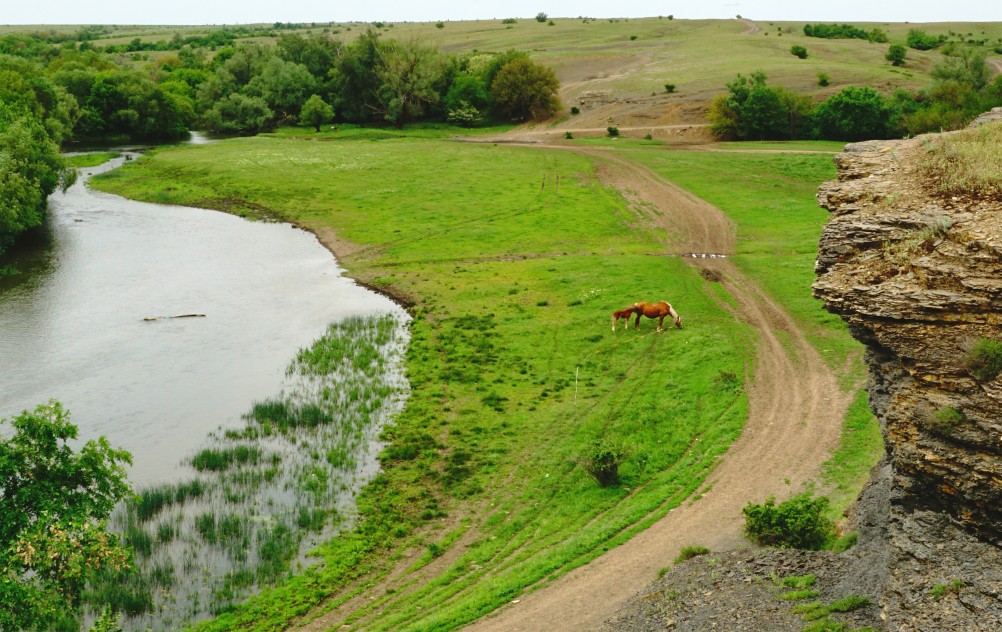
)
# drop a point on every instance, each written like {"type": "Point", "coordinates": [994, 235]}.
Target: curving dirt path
{"type": "Point", "coordinates": [795, 413]}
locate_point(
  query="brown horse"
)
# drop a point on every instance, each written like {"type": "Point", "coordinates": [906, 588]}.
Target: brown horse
{"type": "Point", "coordinates": [656, 310]}
{"type": "Point", "coordinates": [626, 312]}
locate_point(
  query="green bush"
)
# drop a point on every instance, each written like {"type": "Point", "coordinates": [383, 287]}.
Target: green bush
{"type": "Point", "coordinates": [602, 462]}
{"type": "Point", "coordinates": [984, 360]}
{"type": "Point", "coordinates": [669, 88]}
{"type": "Point", "coordinates": [613, 131]}
{"type": "Point", "coordinates": [575, 110]}
{"type": "Point", "coordinates": [896, 54]}
{"type": "Point", "coordinates": [823, 79]}
{"type": "Point", "coordinates": [689, 552]}
{"type": "Point", "coordinates": [540, 17]}
{"type": "Point", "coordinates": [568, 136]}
{"type": "Point", "coordinates": [919, 40]}
{"type": "Point", "coordinates": [798, 51]}
{"type": "Point", "coordinates": [797, 523]}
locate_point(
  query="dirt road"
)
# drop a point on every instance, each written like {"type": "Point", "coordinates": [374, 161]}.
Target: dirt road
{"type": "Point", "coordinates": [795, 414]}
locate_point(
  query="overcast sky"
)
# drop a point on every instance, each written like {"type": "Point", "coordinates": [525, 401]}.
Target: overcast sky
{"type": "Point", "coordinates": [249, 11]}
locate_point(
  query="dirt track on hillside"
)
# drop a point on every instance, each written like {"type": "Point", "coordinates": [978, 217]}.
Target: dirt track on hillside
{"type": "Point", "coordinates": [795, 414]}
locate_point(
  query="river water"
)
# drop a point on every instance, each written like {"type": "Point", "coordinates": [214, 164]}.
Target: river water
{"type": "Point", "coordinates": [73, 325]}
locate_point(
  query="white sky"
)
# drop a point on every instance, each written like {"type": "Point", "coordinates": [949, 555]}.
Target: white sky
{"type": "Point", "coordinates": [249, 11]}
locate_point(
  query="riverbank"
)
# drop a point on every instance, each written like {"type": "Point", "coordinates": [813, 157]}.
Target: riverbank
{"type": "Point", "coordinates": [514, 258]}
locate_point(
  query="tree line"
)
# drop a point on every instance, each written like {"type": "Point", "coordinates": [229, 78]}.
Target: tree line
{"type": "Point", "coordinates": [962, 88]}
{"type": "Point", "coordinates": [53, 93]}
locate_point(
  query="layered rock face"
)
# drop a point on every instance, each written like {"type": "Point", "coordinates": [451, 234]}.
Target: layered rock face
{"type": "Point", "coordinates": [918, 278]}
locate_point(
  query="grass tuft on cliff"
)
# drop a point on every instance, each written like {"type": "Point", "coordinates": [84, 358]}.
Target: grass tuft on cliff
{"type": "Point", "coordinates": [967, 162]}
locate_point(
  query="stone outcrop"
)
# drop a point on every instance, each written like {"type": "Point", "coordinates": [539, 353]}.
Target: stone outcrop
{"type": "Point", "coordinates": [918, 278]}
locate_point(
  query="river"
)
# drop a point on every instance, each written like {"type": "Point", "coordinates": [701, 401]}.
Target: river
{"type": "Point", "coordinates": [73, 324]}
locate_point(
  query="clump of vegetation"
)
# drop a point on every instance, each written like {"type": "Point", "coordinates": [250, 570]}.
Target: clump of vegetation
{"type": "Point", "coordinates": [602, 461]}
{"type": "Point", "coordinates": [669, 88]}
{"type": "Point", "coordinates": [823, 79]}
{"type": "Point", "coordinates": [541, 17]}
{"type": "Point", "coordinates": [612, 130]}
{"type": "Point", "coordinates": [950, 588]}
{"type": "Point", "coordinates": [689, 552]}
{"type": "Point", "coordinates": [946, 420]}
{"type": "Point", "coordinates": [816, 611]}
{"type": "Point", "coordinates": [984, 360]}
{"type": "Point", "coordinates": [568, 136]}
{"type": "Point", "coordinates": [575, 110]}
{"type": "Point", "coordinates": [798, 51]}
{"type": "Point", "coordinates": [896, 54]}
{"type": "Point", "coordinates": [920, 40]}
{"type": "Point", "coordinates": [967, 162]}
{"type": "Point", "coordinates": [797, 523]}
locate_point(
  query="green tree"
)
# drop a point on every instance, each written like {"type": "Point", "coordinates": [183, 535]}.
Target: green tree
{"type": "Point", "coordinates": [853, 114]}
{"type": "Point", "coordinates": [541, 17]}
{"type": "Point", "coordinates": [53, 506]}
{"type": "Point", "coordinates": [896, 54]}
{"type": "Point", "coordinates": [798, 51]}
{"type": "Point", "coordinates": [31, 168]}
{"type": "Point", "coordinates": [524, 90]}
{"type": "Point", "coordinates": [753, 110]}
{"type": "Point", "coordinates": [919, 40]}
{"type": "Point", "coordinates": [239, 113]}
{"type": "Point", "coordinates": [316, 112]}
{"type": "Point", "coordinates": [353, 79]}
{"type": "Point", "coordinates": [284, 86]}
{"type": "Point", "coordinates": [410, 75]}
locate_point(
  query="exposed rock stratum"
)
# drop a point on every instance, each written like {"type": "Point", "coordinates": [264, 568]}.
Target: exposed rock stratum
{"type": "Point", "coordinates": [918, 278]}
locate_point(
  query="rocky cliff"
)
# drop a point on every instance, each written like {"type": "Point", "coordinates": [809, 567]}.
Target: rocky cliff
{"type": "Point", "coordinates": [917, 276]}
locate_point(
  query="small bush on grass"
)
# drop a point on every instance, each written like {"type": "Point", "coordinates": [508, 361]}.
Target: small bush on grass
{"type": "Point", "coordinates": [669, 88]}
{"type": "Point", "coordinates": [797, 523]}
{"type": "Point", "coordinates": [798, 51]}
{"type": "Point", "coordinates": [613, 131]}
{"type": "Point", "coordinates": [689, 552]}
{"type": "Point", "coordinates": [602, 462]}
{"type": "Point", "coordinates": [568, 136]}
{"type": "Point", "coordinates": [984, 360]}
{"type": "Point", "coordinates": [823, 79]}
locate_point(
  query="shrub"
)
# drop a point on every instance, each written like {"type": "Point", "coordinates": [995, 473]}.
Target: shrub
{"type": "Point", "coordinates": [613, 131]}
{"type": "Point", "coordinates": [575, 110]}
{"type": "Point", "coordinates": [853, 114]}
{"type": "Point", "coordinates": [946, 420]}
{"type": "Point", "coordinates": [633, 37]}
{"type": "Point", "coordinates": [540, 17]}
{"type": "Point", "coordinates": [669, 88]}
{"type": "Point", "coordinates": [896, 54]}
{"type": "Point", "coordinates": [797, 523]}
{"type": "Point", "coordinates": [689, 552]}
{"type": "Point", "coordinates": [984, 360]}
{"type": "Point", "coordinates": [509, 21]}
{"type": "Point", "coordinates": [568, 136]}
{"type": "Point", "coordinates": [798, 51]}
{"type": "Point", "coordinates": [919, 40]}
{"type": "Point", "coordinates": [602, 462]}
{"type": "Point", "coordinates": [823, 79]}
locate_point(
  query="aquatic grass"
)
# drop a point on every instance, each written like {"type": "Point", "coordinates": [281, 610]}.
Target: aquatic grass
{"type": "Point", "coordinates": [216, 460]}
{"type": "Point", "coordinates": [268, 491]}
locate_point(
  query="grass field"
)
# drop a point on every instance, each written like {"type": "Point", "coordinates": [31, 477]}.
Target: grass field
{"type": "Point", "coordinates": [514, 258]}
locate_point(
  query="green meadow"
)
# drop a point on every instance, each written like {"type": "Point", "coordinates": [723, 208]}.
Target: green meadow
{"type": "Point", "coordinates": [512, 259]}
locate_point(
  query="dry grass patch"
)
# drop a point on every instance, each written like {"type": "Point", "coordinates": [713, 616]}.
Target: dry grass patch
{"type": "Point", "coordinates": [967, 162]}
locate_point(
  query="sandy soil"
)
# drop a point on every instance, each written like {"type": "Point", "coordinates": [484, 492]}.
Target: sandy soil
{"type": "Point", "coordinates": [795, 414]}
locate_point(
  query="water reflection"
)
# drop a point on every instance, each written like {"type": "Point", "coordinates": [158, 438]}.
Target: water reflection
{"type": "Point", "coordinates": [73, 323]}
